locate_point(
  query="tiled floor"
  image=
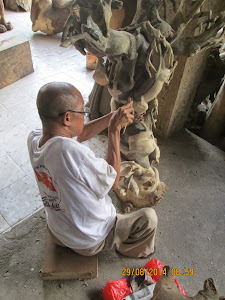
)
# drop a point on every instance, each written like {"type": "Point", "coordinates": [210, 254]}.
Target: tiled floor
{"type": "Point", "coordinates": [19, 196]}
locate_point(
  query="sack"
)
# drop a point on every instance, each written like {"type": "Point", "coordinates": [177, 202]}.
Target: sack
{"type": "Point", "coordinates": [144, 294]}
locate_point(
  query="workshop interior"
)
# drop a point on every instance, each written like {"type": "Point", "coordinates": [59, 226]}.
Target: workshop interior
{"type": "Point", "coordinates": [112, 122]}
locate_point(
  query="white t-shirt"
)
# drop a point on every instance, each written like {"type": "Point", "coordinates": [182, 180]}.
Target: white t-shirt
{"type": "Point", "coordinates": [73, 184]}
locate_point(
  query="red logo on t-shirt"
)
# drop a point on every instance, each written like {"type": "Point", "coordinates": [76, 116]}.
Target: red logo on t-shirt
{"type": "Point", "coordinates": [46, 179]}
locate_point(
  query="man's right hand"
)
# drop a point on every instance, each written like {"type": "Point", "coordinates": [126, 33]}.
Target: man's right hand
{"type": "Point", "coordinates": [122, 117]}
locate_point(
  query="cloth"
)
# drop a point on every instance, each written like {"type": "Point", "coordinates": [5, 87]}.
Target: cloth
{"type": "Point", "coordinates": [133, 235]}
{"type": "Point", "coordinates": [74, 187]}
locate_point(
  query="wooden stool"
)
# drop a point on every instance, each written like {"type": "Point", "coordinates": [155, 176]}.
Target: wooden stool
{"type": "Point", "coordinates": [63, 263]}
{"type": "Point", "coordinates": [15, 60]}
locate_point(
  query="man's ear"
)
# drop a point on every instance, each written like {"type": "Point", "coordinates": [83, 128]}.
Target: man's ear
{"type": "Point", "coordinates": [67, 119]}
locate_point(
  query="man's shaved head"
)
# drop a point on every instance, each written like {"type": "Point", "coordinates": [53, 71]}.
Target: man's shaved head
{"type": "Point", "coordinates": [55, 98]}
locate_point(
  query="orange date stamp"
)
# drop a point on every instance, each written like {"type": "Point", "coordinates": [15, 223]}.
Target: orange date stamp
{"type": "Point", "coordinates": [157, 272]}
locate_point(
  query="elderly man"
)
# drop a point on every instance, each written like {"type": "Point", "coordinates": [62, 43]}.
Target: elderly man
{"type": "Point", "coordinates": [74, 184]}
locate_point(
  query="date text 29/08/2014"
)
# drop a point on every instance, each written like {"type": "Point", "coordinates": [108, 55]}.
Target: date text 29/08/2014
{"type": "Point", "coordinates": [156, 272]}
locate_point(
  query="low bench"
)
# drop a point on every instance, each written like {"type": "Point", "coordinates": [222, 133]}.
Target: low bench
{"type": "Point", "coordinates": [63, 263]}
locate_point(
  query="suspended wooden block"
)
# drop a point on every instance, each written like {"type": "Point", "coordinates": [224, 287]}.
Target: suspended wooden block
{"type": "Point", "coordinates": [64, 263]}
{"type": "Point", "coordinates": [15, 60]}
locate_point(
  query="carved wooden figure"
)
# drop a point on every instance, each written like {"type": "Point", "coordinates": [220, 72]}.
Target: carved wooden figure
{"type": "Point", "coordinates": [18, 5]}
{"type": "Point", "coordinates": [49, 16]}
{"type": "Point", "coordinates": [166, 289]}
{"type": "Point", "coordinates": [140, 60]}
{"type": "Point", "coordinates": [4, 26]}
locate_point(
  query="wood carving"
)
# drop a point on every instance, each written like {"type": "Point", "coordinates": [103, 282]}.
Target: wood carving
{"type": "Point", "coordinates": [49, 16]}
{"type": "Point", "coordinates": [166, 289]}
{"type": "Point", "coordinates": [4, 26]}
{"type": "Point", "coordinates": [139, 61]}
{"type": "Point", "coordinates": [18, 5]}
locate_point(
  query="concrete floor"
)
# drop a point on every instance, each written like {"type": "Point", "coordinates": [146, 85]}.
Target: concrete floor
{"type": "Point", "coordinates": [190, 231]}
{"type": "Point", "coordinates": [191, 216]}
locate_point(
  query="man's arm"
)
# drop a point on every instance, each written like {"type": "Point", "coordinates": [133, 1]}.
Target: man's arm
{"type": "Point", "coordinates": [122, 117]}
{"type": "Point", "coordinates": [94, 127]}
{"type": "Point", "coordinates": [113, 153]}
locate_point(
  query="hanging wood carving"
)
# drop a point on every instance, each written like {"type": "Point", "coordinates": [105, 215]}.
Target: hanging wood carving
{"type": "Point", "coordinates": [139, 61]}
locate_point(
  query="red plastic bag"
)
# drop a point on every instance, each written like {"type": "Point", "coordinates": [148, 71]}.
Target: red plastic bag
{"type": "Point", "coordinates": [155, 265]}
{"type": "Point", "coordinates": [181, 289]}
{"type": "Point", "coordinates": [117, 290]}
